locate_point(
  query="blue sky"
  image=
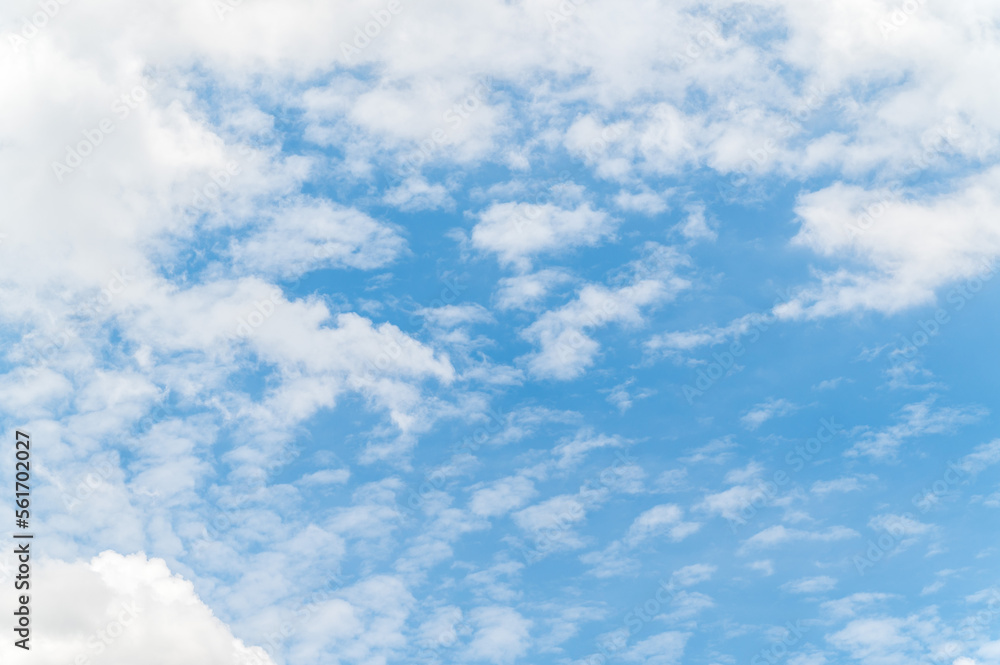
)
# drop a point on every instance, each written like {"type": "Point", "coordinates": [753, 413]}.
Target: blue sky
{"type": "Point", "coordinates": [521, 332]}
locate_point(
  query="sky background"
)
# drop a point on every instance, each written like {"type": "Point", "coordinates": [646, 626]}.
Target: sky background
{"type": "Point", "coordinates": [501, 332]}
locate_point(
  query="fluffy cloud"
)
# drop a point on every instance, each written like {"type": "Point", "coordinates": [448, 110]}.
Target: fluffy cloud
{"type": "Point", "coordinates": [119, 609]}
{"type": "Point", "coordinates": [312, 234]}
{"type": "Point", "coordinates": [502, 496]}
{"type": "Point", "coordinates": [501, 636]}
{"type": "Point", "coordinates": [518, 232]}
{"type": "Point", "coordinates": [566, 350]}
{"type": "Point", "coordinates": [663, 649]}
{"type": "Point", "coordinates": [760, 414]}
{"type": "Point", "coordinates": [666, 519]}
{"type": "Point", "coordinates": [912, 248]}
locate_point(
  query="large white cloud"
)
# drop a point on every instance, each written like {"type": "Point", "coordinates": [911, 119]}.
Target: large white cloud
{"type": "Point", "coordinates": [117, 609]}
{"type": "Point", "coordinates": [516, 232]}
{"type": "Point", "coordinates": [908, 248]}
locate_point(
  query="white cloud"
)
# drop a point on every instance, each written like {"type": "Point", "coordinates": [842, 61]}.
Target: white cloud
{"type": "Point", "coordinates": [362, 623]}
{"type": "Point", "coordinates": [566, 351]}
{"type": "Point", "coordinates": [882, 640]}
{"type": "Point", "coordinates": [695, 227]}
{"type": "Point", "coordinates": [686, 605]}
{"type": "Point", "coordinates": [517, 232]}
{"type": "Point", "coordinates": [764, 567]}
{"type": "Point", "coordinates": [912, 249]}
{"type": "Point", "coordinates": [312, 234]}
{"type": "Point", "coordinates": [502, 635]}
{"type": "Point", "coordinates": [550, 523]}
{"type": "Point", "coordinates": [121, 609]}
{"type": "Point", "coordinates": [671, 480]}
{"type": "Point", "coordinates": [33, 393]}
{"type": "Point", "coordinates": [752, 471]}
{"type": "Point", "coordinates": [848, 607]}
{"type": "Point", "coordinates": [624, 478]}
{"type": "Point", "coordinates": [810, 585]}
{"type": "Point", "coordinates": [716, 451]}
{"type": "Point", "coordinates": [451, 316]}
{"type": "Point", "coordinates": [622, 399]}
{"type": "Point", "coordinates": [326, 477]}
{"type": "Point", "coordinates": [644, 201]}
{"type": "Point", "coordinates": [694, 574]}
{"type": "Point", "coordinates": [417, 194]}
{"type": "Point", "coordinates": [502, 496]}
{"type": "Point", "coordinates": [899, 525]}
{"type": "Point", "coordinates": [664, 519]}
{"type": "Point", "coordinates": [497, 582]}
{"type": "Point", "coordinates": [983, 457]}
{"type": "Point", "coordinates": [731, 503]}
{"type": "Point", "coordinates": [528, 290]}
{"type": "Point", "coordinates": [663, 649]}
{"type": "Point", "coordinates": [778, 535]}
{"type": "Point", "coordinates": [612, 561]}
{"type": "Point", "coordinates": [760, 414]}
{"type": "Point", "coordinates": [830, 384]}
{"type": "Point", "coordinates": [441, 628]}
{"type": "Point", "coordinates": [917, 419]}
{"type": "Point", "coordinates": [572, 451]}
{"type": "Point", "coordinates": [840, 485]}
{"type": "Point", "coordinates": [674, 343]}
